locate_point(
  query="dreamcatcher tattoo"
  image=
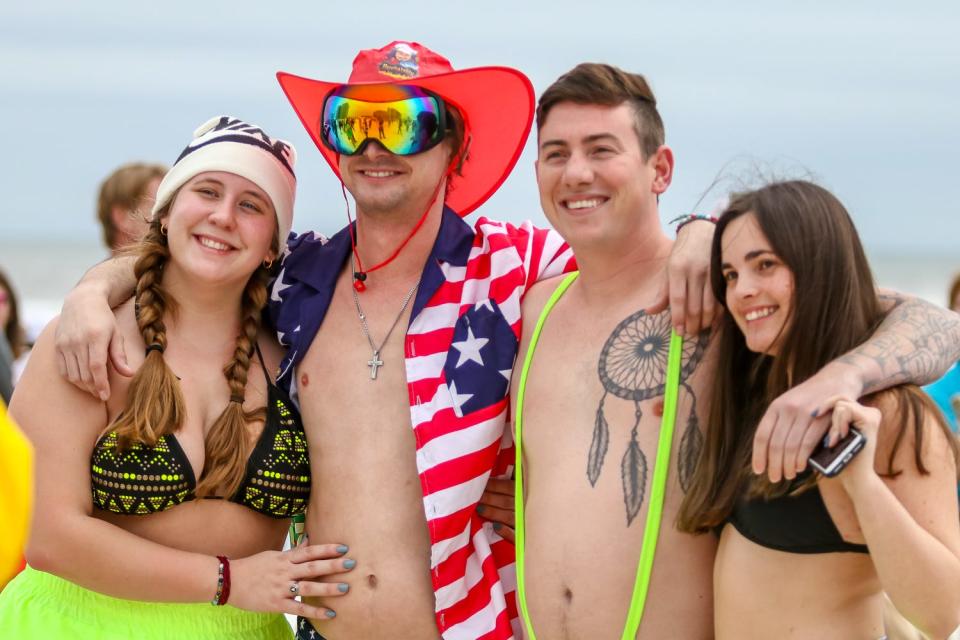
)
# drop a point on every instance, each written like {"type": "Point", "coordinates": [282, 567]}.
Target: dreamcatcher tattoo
{"type": "Point", "coordinates": [633, 366]}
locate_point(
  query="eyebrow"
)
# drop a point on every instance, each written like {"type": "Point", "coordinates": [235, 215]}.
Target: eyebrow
{"type": "Point", "coordinates": [256, 195]}
{"type": "Point", "coordinates": [220, 184]}
{"type": "Point", "coordinates": [750, 255]}
{"type": "Point", "coordinates": [591, 138]}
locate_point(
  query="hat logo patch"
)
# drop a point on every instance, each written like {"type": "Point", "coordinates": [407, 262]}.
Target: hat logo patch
{"type": "Point", "coordinates": [227, 129]}
{"type": "Point", "coordinates": [400, 62]}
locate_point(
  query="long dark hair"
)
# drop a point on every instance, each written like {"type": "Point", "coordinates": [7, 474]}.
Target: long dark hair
{"type": "Point", "coordinates": [16, 336]}
{"type": "Point", "coordinates": [835, 308]}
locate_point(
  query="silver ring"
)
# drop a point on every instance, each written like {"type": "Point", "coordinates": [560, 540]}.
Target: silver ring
{"type": "Point", "coordinates": [295, 588]}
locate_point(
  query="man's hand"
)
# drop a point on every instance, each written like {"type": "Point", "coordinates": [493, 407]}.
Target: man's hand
{"type": "Point", "coordinates": [687, 285]}
{"type": "Point", "coordinates": [796, 422]}
{"type": "Point", "coordinates": [916, 342]}
{"type": "Point", "coordinates": [86, 335]}
{"type": "Point", "coordinates": [496, 505]}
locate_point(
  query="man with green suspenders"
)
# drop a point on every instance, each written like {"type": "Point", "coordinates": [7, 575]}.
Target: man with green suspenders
{"type": "Point", "coordinates": [590, 403]}
{"type": "Point", "coordinates": [608, 401]}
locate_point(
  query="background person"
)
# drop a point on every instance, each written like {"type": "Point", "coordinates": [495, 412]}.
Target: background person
{"type": "Point", "coordinates": [16, 471]}
{"type": "Point", "coordinates": [13, 343]}
{"type": "Point", "coordinates": [953, 297]}
{"type": "Point", "coordinates": [124, 201]}
{"type": "Point", "coordinates": [946, 391]}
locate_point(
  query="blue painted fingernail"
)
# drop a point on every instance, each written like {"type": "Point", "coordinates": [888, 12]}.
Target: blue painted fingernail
{"type": "Point", "coordinates": [349, 564]}
{"type": "Point", "coordinates": [343, 587]}
{"type": "Point", "coordinates": [814, 413]}
{"type": "Point", "coordinates": [331, 614]}
{"type": "Point", "coordinates": [479, 508]}
{"type": "Point", "coordinates": [342, 548]}
{"type": "Point", "coordinates": [497, 526]}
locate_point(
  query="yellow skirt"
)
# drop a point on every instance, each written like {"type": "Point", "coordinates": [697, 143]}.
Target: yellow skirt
{"type": "Point", "coordinates": [41, 605]}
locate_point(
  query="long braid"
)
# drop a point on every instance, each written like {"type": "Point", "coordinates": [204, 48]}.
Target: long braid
{"type": "Point", "coordinates": [154, 405]}
{"type": "Point", "coordinates": [227, 446]}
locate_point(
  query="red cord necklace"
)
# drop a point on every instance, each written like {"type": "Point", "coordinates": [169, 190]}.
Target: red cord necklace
{"type": "Point", "coordinates": [360, 274]}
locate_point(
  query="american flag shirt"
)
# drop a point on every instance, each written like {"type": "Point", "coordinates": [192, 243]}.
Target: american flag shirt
{"type": "Point", "coordinates": [459, 348]}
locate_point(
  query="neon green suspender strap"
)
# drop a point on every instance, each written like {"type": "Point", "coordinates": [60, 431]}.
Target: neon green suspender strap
{"type": "Point", "coordinates": [655, 512]}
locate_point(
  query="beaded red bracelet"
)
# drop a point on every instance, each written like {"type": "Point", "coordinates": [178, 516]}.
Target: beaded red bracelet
{"type": "Point", "coordinates": [690, 217]}
{"type": "Point", "coordinates": [223, 582]}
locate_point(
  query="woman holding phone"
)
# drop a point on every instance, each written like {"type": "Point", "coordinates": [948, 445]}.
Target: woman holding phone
{"type": "Point", "coordinates": [812, 557]}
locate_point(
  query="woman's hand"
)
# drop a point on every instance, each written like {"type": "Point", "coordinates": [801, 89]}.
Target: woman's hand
{"type": "Point", "coordinates": [272, 580]}
{"type": "Point", "coordinates": [848, 413]}
{"type": "Point", "coordinates": [496, 505]}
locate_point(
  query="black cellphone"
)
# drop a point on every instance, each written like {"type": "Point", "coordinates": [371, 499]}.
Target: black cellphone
{"type": "Point", "coordinates": [831, 460]}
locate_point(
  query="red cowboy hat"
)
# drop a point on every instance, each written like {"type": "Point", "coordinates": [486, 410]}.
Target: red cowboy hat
{"type": "Point", "coordinates": [496, 102]}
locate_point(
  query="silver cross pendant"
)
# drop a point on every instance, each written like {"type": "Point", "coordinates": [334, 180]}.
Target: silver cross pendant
{"type": "Point", "coordinates": [374, 363]}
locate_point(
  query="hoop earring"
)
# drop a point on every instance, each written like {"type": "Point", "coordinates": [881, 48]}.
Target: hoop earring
{"type": "Point", "coordinates": [163, 230]}
{"type": "Point", "coordinates": [267, 263]}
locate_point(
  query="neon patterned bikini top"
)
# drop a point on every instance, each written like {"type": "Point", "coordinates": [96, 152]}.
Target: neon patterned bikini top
{"type": "Point", "coordinates": [144, 479]}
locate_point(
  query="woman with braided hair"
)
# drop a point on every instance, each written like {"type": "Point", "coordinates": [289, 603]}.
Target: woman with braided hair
{"type": "Point", "coordinates": [143, 500]}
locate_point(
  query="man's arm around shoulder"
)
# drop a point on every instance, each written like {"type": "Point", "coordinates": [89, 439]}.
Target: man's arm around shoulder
{"type": "Point", "coordinates": [87, 333]}
{"type": "Point", "coordinates": [917, 342]}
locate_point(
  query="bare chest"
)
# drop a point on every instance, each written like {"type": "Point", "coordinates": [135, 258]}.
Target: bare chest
{"type": "Point", "coordinates": [593, 405]}
{"type": "Point", "coordinates": [366, 489]}
{"type": "Point", "coordinates": [352, 393]}
{"type": "Point", "coordinates": [592, 424]}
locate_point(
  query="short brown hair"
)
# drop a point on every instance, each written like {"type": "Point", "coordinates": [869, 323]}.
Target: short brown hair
{"type": "Point", "coordinates": [604, 84]}
{"type": "Point", "coordinates": [954, 290]}
{"type": "Point", "coordinates": [125, 188]}
{"type": "Point", "coordinates": [458, 141]}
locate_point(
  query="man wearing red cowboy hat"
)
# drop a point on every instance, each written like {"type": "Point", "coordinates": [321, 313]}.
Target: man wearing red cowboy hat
{"type": "Point", "coordinates": [406, 425]}
{"type": "Point", "coordinates": [411, 260]}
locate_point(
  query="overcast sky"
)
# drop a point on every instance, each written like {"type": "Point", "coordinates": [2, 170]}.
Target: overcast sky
{"type": "Point", "coordinates": [864, 95]}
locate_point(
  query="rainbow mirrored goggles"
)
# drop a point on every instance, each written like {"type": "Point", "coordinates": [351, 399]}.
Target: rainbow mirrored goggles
{"type": "Point", "coordinates": [406, 121]}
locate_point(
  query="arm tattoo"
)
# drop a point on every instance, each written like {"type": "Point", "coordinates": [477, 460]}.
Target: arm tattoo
{"type": "Point", "coordinates": [917, 342]}
{"type": "Point", "coordinates": [633, 367]}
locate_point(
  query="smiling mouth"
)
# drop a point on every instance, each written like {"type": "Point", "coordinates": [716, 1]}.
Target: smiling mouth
{"type": "Point", "coordinates": [210, 243]}
{"type": "Point", "coordinates": [759, 314]}
{"type": "Point", "coordinates": [583, 203]}
{"type": "Point", "coordinates": [379, 173]}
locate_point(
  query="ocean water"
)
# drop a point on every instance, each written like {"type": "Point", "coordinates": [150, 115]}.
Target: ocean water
{"type": "Point", "coordinates": [42, 273]}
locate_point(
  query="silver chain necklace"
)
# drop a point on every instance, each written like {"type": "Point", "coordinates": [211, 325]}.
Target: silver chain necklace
{"type": "Point", "coordinates": [375, 362]}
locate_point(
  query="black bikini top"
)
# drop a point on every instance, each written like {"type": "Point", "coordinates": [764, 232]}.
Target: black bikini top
{"type": "Point", "coordinates": [144, 479]}
{"type": "Point", "coordinates": [795, 524]}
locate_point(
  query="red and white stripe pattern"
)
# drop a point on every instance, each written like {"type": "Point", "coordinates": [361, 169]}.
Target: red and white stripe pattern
{"type": "Point", "coordinates": [472, 567]}
{"type": "Point", "coordinates": [460, 348]}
